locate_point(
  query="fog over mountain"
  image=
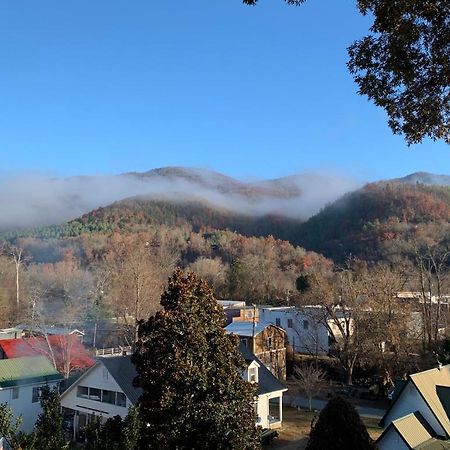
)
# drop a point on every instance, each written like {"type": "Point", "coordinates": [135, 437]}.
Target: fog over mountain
{"type": "Point", "coordinates": [425, 178]}
{"type": "Point", "coordinates": [33, 200]}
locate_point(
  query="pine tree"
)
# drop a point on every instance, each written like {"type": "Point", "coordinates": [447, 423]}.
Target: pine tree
{"type": "Point", "coordinates": [191, 373]}
{"type": "Point", "coordinates": [339, 427]}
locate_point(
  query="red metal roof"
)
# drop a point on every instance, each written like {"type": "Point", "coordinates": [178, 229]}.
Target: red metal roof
{"type": "Point", "coordinates": [67, 351]}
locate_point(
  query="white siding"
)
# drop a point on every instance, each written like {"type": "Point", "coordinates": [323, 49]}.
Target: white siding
{"type": "Point", "coordinates": [99, 378]}
{"type": "Point", "coordinates": [23, 405]}
{"type": "Point", "coordinates": [263, 411]}
{"type": "Point", "coordinates": [411, 401]}
{"type": "Point", "coordinates": [307, 334]}
{"type": "Point", "coordinates": [392, 441]}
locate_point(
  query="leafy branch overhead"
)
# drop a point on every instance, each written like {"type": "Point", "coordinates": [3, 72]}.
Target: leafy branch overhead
{"type": "Point", "coordinates": [403, 64]}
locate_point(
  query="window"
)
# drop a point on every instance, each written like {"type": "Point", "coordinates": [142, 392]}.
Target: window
{"type": "Point", "coordinates": [244, 342]}
{"type": "Point", "coordinates": [305, 324]}
{"type": "Point", "coordinates": [121, 399]}
{"type": "Point", "coordinates": [15, 393]}
{"type": "Point", "coordinates": [278, 322]}
{"type": "Point", "coordinates": [290, 323]}
{"type": "Point", "coordinates": [255, 410]}
{"type": "Point", "coordinates": [109, 397]}
{"type": "Point", "coordinates": [83, 392]}
{"type": "Point", "coordinates": [36, 393]}
{"type": "Point", "coordinates": [102, 395]}
{"type": "Point", "coordinates": [253, 374]}
{"type": "Point", "coordinates": [95, 394]}
{"type": "Point", "coordinates": [269, 342]}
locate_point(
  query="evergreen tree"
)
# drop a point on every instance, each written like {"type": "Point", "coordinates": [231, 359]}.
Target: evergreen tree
{"type": "Point", "coordinates": [106, 436]}
{"type": "Point", "coordinates": [339, 427]}
{"type": "Point", "coordinates": [190, 371]}
{"type": "Point", "coordinates": [48, 427]}
{"type": "Point", "coordinates": [114, 433]}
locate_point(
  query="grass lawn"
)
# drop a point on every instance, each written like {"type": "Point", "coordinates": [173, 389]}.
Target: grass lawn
{"type": "Point", "coordinates": [296, 427]}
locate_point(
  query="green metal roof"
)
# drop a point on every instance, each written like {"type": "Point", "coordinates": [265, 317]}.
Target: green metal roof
{"type": "Point", "coordinates": [26, 370]}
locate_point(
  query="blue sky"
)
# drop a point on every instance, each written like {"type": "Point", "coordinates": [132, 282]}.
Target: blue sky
{"type": "Point", "coordinates": [112, 86]}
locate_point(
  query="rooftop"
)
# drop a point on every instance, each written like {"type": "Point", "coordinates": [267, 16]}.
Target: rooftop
{"type": "Point", "coordinates": [267, 382]}
{"type": "Point", "coordinates": [27, 370]}
{"type": "Point", "coordinates": [123, 371]}
{"type": "Point", "coordinates": [61, 345]}
{"type": "Point", "coordinates": [246, 329]}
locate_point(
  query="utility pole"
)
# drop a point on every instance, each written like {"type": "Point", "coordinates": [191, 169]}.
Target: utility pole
{"type": "Point", "coordinates": [253, 328]}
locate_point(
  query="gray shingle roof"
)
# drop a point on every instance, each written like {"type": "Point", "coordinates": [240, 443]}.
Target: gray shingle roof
{"type": "Point", "coordinates": [267, 382]}
{"type": "Point", "coordinates": [123, 371]}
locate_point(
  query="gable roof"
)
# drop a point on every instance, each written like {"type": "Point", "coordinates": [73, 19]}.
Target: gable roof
{"type": "Point", "coordinates": [413, 429]}
{"type": "Point", "coordinates": [415, 433]}
{"type": "Point", "coordinates": [49, 330]}
{"type": "Point", "coordinates": [124, 372]}
{"type": "Point", "coordinates": [267, 382]}
{"type": "Point", "coordinates": [26, 370]}
{"type": "Point", "coordinates": [434, 387]}
{"type": "Point", "coordinates": [61, 345]}
{"type": "Point", "coordinates": [427, 384]}
{"type": "Point", "coordinates": [121, 369]}
{"type": "Point", "coordinates": [246, 328]}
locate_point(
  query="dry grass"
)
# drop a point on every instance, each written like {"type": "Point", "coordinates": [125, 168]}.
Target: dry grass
{"type": "Point", "coordinates": [296, 427]}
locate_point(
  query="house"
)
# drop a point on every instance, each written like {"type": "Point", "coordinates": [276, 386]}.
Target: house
{"type": "Point", "coordinates": [310, 329]}
{"type": "Point", "coordinates": [418, 417]}
{"type": "Point", "coordinates": [33, 330]}
{"type": "Point", "coordinates": [65, 352]}
{"type": "Point", "coordinates": [21, 380]}
{"type": "Point", "coordinates": [269, 405]}
{"type": "Point", "coordinates": [265, 341]}
{"type": "Point", "coordinates": [105, 390]}
{"type": "Point", "coordinates": [237, 311]}
{"type": "Point", "coordinates": [305, 330]}
{"type": "Point", "coordinates": [10, 333]}
{"type": "Point", "coordinates": [231, 308]}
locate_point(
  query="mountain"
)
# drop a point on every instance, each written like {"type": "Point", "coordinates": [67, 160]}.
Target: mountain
{"type": "Point", "coordinates": [40, 201]}
{"type": "Point", "coordinates": [430, 179]}
{"type": "Point", "coordinates": [138, 214]}
{"type": "Point", "coordinates": [366, 223]}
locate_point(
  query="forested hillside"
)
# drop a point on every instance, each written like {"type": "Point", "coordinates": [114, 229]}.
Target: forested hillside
{"type": "Point", "coordinates": [368, 223]}
{"type": "Point", "coordinates": [139, 213]}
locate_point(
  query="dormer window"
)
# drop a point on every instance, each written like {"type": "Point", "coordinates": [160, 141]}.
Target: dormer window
{"type": "Point", "coordinates": [253, 374]}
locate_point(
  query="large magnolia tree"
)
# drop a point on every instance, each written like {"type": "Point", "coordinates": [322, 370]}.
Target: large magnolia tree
{"type": "Point", "coordinates": [190, 371]}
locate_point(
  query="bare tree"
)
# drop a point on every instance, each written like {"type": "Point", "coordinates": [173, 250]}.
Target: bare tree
{"type": "Point", "coordinates": [310, 380]}
{"type": "Point", "coordinates": [139, 270]}
{"type": "Point", "coordinates": [211, 270]}
{"type": "Point", "coordinates": [432, 264]}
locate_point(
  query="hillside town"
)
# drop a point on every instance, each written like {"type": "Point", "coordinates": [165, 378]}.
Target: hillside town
{"type": "Point", "coordinates": [285, 348]}
{"type": "Point", "coordinates": [225, 225]}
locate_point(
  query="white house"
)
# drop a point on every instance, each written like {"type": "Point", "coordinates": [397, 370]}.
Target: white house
{"type": "Point", "coordinates": [21, 380]}
{"type": "Point", "coordinates": [304, 327]}
{"type": "Point", "coordinates": [269, 404]}
{"type": "Point", "coordinates": [418, 417]}
{"type": "Point", "coordinates": [105, 390]}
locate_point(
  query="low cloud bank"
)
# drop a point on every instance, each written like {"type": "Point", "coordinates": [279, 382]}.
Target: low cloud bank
{"type": "Point", "coordinates": [34, 200]}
